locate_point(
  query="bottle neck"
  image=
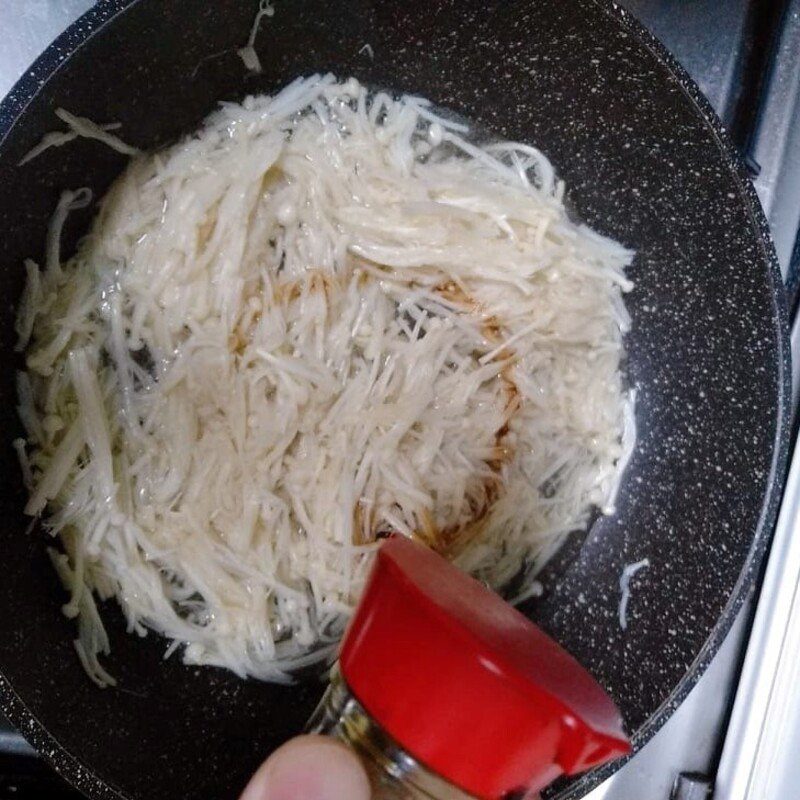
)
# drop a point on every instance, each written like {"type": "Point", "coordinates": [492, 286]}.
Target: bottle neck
{"type": "Point", "coordinates": [395, 775]}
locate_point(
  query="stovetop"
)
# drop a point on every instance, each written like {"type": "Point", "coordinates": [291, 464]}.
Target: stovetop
{"type": "Point", "coordinates": [745, 56]}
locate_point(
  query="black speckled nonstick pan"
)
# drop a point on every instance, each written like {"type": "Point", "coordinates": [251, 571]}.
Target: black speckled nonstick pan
{"type": "Point", "coordinates": [645, 161]}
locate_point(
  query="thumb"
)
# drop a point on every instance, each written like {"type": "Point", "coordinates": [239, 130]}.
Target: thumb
{"type": "Point", "coordinates": [310, 768]}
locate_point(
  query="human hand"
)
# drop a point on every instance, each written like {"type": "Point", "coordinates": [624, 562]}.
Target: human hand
{"type": "Point", "coordinates": [310, 768]}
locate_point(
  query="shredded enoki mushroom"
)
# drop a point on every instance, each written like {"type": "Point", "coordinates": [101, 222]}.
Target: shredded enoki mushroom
{"type": "Point", "coordinates": [325, 317]}
{"type": "Point", "coordinates": [80, 127]}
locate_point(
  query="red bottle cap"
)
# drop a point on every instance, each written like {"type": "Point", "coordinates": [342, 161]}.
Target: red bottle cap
{"type": "Point", "coordinates": [467, 685]}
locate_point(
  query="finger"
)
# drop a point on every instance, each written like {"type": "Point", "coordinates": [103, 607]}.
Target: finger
{"type": "Point", "coordinates": [310, 768]}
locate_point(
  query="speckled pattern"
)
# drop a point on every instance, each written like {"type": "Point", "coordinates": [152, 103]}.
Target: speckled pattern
{"type": "Point", "coordinates": [645, 161]}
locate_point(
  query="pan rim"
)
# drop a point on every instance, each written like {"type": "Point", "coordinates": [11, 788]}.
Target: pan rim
{"type": "Point", "coordinates": [104, 12]}
{"type": "Point", "coordinates": [757, 554]}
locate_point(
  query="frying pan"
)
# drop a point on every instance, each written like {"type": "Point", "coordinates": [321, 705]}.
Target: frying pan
{"type": "Point", "coordinates": [645, 161]}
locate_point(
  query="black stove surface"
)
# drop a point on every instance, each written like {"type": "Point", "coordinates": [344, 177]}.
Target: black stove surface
{"type": "Point", "coordinates": [725, 47]}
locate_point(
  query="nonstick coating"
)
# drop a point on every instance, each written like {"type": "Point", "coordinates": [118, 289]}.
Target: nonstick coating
{"type": "Point", "coordinates": [645, 161]}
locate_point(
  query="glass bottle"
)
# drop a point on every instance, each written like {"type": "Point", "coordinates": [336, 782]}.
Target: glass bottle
{"type": "Point", "coordinates": [393, 773]}
{"type": "Point", "coordinates": [435, 664]}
